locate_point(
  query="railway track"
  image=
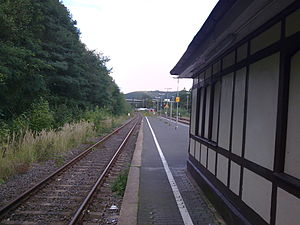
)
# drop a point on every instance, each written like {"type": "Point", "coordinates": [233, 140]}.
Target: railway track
{"type": "Point", "coordinates": [65, 196]}
{"type": "Point", "coordinates": [180, 119]}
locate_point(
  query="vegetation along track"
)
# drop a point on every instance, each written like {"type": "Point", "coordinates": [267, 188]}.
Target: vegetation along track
{"type": "Point", "coordinates": [62, 198]}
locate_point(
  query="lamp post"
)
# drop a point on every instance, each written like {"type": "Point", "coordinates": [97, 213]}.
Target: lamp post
{"type": "Point", "coordinates": [177, 104]}
{"type": "Point", "coordinates": [167, 101]}
{"type": "Point", "coordinates": [160, 102]}
{"type": "Point", "coordinates": [171, 109]}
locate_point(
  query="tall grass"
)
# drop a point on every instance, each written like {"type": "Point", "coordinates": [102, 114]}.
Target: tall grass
{"type": "Point", "coordinates": [18, 153]}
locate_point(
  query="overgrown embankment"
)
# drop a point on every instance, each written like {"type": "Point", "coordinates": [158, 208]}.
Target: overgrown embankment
{"type": "Point", "coordinates": [20, 150]}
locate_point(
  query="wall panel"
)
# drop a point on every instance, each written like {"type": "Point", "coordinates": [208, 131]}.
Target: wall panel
{"type": "Point", "coordinates": [292, 23]}
{"type": "Point", "coordinates": [266, 38]}
{"type": "Point", "coordinates": [292, 153]}
{"type": "Point", "coordinates": [257, 193]}
{"type": "Point", "coordinates": [222, 169]}
{"type": "Point", "coordinates": [203, 155]}
{"type": "Point", "coordinates": [262, 111]}
{"type": "Point", "coordinates": [194, 109]}
{"type": "Point", "coordinates": [192, 147]}
{"type": "Point", "coordinates": [215, 119]}
{"type": "Point", "coordinates": [288, 208]}
{"type": "Point", "coordinates": [211, 161]}
{"type": "Point", "coordinates": [207, 108]}
{"type": "Point", "coordinates": [235, 174]}
{"type": "Point", "coordinates": [242, 52]}
{"type": "Point", "coordinates": [228, 60]}
{"type": "Point", "coordinates": [238, 112]}
{"type": "Point", "coordinates": [197, 151]}
{"type": "Point", "coordinates": [225, 111]}
{"type": "Point", "coordinates": [202, 91]}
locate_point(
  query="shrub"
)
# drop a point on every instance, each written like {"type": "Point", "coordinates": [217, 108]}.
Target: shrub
{"type": "Point", "coordinates": [98, 117]}
{"type": "Point", "coordinates": [40, 116]}
{"type": "Point", "coordinates": [119, 185]}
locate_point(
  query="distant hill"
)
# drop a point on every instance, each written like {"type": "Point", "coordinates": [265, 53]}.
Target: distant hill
{"type": "Point", "coordinates": [149, 94]}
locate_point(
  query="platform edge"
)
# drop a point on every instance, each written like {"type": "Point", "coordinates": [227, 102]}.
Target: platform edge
{"type": "Point", "coordinates": [129, 208]}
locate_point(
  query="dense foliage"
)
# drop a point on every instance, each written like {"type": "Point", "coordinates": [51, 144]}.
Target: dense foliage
{"type": "Point", "coordinates": [47, 75]}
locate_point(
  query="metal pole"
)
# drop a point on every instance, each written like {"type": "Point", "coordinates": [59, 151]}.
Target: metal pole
{"type": "Point", "coordinates": [177, 105]}
{"type": "Point", "coordinates": [171, 109]}
{"type": "Point", "coordinates": [187, 102]}
{"type": "Point", "coordinates": [167, 101]}
{"type": "Point", "coordinates": [160, 106]}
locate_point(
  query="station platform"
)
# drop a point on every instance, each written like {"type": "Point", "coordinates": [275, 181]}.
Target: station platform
{"type": "Point", "coordinates": [159, 189]}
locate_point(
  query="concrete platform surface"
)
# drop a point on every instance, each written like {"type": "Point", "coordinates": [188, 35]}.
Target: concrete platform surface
{"type": "Point", "coordinates": [166, 194]}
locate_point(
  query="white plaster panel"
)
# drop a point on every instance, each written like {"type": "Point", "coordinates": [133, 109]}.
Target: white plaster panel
{"type": "Point", "coordinates": [208, 72]}
{"type": "Point", "coordinates": [194, 107]}
{"type": "Point", "coordinates": [262, 111]}
{"type": "Point", "coordinates": [201, 76]}
{"type": "Point", "coordinates": [222, 169]}
{"type": "Point", "coordinates": [235, 175]}
{"type": "Point", "coordinates": [292, 153]}
{"type": "Point", "coordinates": [207, 107]}
{"type": "Point", "coordinates": [215, 121]}
{"type": "Point", "coordinates": [288, 208]}
{"type": "Point", "coordinates": [257, 193]}
{"type": "Point", "coordinates": [225, 111]}
{"type": "Point", "coordinates": [201, 110]}
{"type": "Point", "coordinates": [192, 146]}
{"type": "Point", "coordinates": [216, 67]}
{"type": "Point", "coordinates": [292, 24]}
{"type": "Point", "coordinates": [197, 151]}
{"type": "Point", "coordinates": [238, 112]}
{"type": "Point", "coordinates": [266, 38]}
{"type": "Point", "coordinates": [228, 60]}
{"type": "Point", "coordinates": [211, 161]}
{"type": "Point", "coordinates": [242, 52]}
{"type": "Point", "coordinates": [203, 155]}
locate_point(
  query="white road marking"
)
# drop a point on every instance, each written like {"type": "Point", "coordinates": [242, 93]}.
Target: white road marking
{"type": "Point", "coordinates": [179, 200]}
{"type": "Point", "coordinates": [179, 123]}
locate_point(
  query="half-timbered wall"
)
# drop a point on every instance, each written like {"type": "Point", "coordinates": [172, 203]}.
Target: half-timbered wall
{"type": "Point", "coordinates": [245, 122]}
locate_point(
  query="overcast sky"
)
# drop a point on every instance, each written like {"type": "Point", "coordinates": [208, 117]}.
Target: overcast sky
{"type": "Point", "coordinates": [143, 38]}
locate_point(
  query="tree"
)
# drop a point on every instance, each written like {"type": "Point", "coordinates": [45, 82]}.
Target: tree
{"type": "Point", "coordinates": [42, 57]}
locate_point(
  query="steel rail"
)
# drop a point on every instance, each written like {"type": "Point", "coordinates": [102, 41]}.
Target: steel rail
{"type": "Point", "coordinates": [181, 120]}
{"type": "Point", "coordinates": [15, 202]}
{"type": "Point", "coordinates": [80, 212]}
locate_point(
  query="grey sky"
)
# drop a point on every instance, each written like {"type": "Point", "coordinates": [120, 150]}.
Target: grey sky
{"type": "Point", "coordinates": [143, 38]}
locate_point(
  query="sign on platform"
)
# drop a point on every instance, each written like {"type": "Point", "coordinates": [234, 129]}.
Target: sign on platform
{"type": "Point", "coordinates": [177, 99]}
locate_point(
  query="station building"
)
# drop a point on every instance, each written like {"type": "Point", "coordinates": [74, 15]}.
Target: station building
{"type": "Point", "coordinates": [244, 147]}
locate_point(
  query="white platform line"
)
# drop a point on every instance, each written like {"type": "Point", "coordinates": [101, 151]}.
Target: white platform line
{"type": "Point", "coordinates": [179, 200]}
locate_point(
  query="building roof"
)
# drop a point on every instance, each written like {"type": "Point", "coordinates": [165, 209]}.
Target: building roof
{"type": "Point", "coordinates": [229, 22]}
{"type": "Point", "coordinates": [216, 14]}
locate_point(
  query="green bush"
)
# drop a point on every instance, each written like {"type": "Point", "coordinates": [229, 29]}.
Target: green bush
{"type": "Point", "coordinates": [40, 116]}
{"type": "Point", "coordinates": [19, 124]}
{"type": "Point", "coordinates": [119, 185]}
{"type": "Point", "coordinates": [96, 116]}
{"type": "Point", "coordinates": [62, 114]}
